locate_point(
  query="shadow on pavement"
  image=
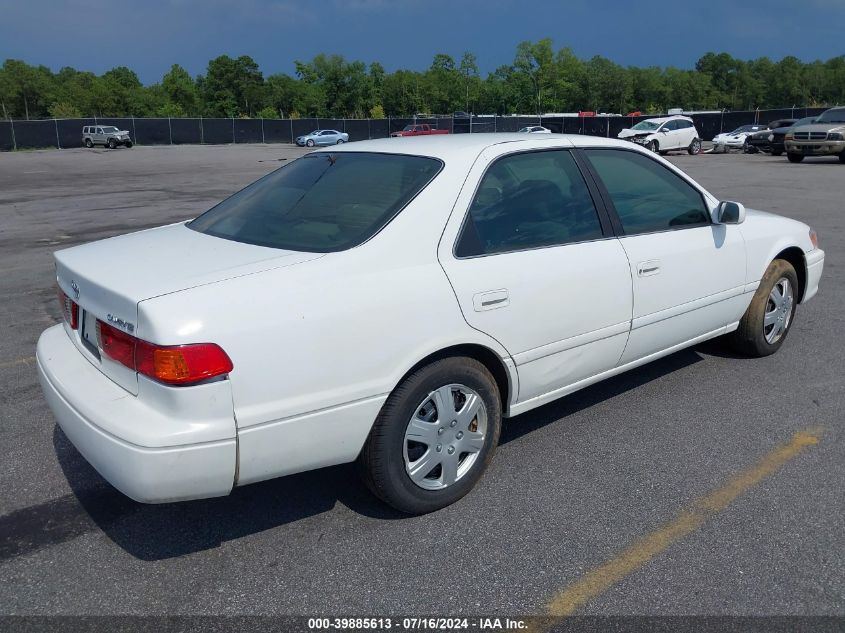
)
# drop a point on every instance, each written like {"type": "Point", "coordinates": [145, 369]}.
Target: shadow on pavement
{"type": "Point", "coordinates": [156, 532]}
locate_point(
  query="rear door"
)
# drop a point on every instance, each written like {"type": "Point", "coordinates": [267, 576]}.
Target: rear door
{"type": "Point", "coordinates": [688, 274]}
{"type": "Point", "coordinates": [534, 265]}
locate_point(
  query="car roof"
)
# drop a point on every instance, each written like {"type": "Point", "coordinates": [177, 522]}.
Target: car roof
{"type": "Point", "coordinates": [448, 147]}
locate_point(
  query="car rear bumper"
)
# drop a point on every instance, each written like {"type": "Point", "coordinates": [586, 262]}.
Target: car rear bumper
{"type": "Point", "coordinates": [87, 405]}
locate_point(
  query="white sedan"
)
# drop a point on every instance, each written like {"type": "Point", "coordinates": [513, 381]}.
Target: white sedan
{"type": "Point", "coordinates": [391, 301]}
{"type": "Point", "coordinates": [534, 129]}
{"type": "Point", "coordinates": [737, 137]}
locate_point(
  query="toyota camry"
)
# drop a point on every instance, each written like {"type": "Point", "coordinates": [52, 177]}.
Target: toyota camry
{"type": "Point", "coordinates": [390, 302]}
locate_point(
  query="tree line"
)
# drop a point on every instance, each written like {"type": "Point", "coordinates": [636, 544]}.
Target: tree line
{"type": "Point", "coordinates": [540, 79]}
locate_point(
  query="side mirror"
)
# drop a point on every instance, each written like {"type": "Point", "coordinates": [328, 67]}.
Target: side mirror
{"type": "Point", "coordinates": [729, 213]}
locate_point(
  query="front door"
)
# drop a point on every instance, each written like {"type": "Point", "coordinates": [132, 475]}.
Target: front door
{"type": "Point", "coordinates": [534, 267]}
{"type": "Point", "coordinates": [688, 273]}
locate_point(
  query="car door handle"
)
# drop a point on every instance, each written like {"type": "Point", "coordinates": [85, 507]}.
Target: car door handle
{"type": "Point", "coordinates": [649, 268]}
{"type": "Point", "coordinates": [490, 300]}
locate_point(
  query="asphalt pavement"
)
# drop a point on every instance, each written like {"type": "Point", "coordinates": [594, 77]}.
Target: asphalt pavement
{"type": "Point", "coordinates": [574, 486]}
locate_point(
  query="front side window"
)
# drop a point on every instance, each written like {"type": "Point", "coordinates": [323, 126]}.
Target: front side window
{"type": "Point", "coordinates": [529, 200]}
{"type": "Point", "coordinates": [321, 203]}
{"type": "Point", "coordinates": [835, 115]}
{"type": "Point", "coordinates": [647, 196]}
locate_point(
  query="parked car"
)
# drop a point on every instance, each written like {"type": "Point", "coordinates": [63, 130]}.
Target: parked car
{"type": "Point", "coordinates": [534, 129]}
{"type": "Point", "coordinates": [761, 140]}
{"type": "Point", "coordinates": [106, 135]}
{"type": "Point", "coordinates": [391, 301]}
{"type": "Point", "coordinates": [665, 133]}
{"type": "Point", "coordinates": [418, 129]}
{"type": "Point", "coordinates": [825, 136]}
{"type": "Point", "coordinates": [322, 137]}
{"type": "Point", "coordinates": [736, 138]}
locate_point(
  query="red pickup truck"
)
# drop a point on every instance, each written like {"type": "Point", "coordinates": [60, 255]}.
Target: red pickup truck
{"type": "Point", "coordinates": [420, 129]}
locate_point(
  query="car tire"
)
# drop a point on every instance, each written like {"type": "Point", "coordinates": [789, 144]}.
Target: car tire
{"type": "Point", "coordinates": [776, 152]}
{"type": "Point", "coordinates": [112, 144]}
{"type": "Point", "coordinates": [388, 458]}
{"type": "Point", "coordinates": [652, 146]}
{"type": "Point", "coordinates": [794, 158]}
{"type": "Point", "coordinates": [128, 144]}
{"type": "Point", "coordinates": [309, 142]}
{"type": "Point", "coordinates": [340, 141]}
{"type": "Point", "coordinates": [694, 147]}
{"type": "Point", "coordinates": [766, 323]}
{"type": "Point", "coordinates": [842, 157]}
{"type": "Point", "coordinates": [88, 143]}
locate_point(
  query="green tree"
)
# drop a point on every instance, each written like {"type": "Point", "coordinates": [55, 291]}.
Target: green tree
{"type": "Point", "coordinates": [180, 89]}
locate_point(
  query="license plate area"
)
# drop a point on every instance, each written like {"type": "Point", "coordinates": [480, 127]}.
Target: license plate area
{"type": "Point", "coordinates": [88, 332]}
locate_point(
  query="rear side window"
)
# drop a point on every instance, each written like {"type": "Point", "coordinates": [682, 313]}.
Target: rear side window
{"type": "Point", "coordinates": [529, 200]}
{"type": "Point", "coordinates": [647, 196]}
{"type": "Point", "coordinates": [321, 203]}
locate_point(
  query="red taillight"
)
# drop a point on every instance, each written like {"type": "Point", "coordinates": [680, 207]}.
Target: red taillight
{"type": "Point", "coordinates": [70, 310]}
{"type": "Point", "coordinates": [171, 364]}
{"type": "Point", "coordinates": [814, 238]}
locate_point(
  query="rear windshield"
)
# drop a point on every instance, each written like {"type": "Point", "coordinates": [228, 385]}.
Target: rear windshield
{"type": "Point", "coordinates": [321, 203]}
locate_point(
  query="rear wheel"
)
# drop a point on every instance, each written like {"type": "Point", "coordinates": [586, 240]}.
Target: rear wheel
{"type": "Point", "coordinates": [88, 143]}
{"type": "Point", "coordinates": [694, 147]}
{"type": "Point", "coordinates": [434, 436]}
{"type": "Point", "coordinates": [795, 158]}
{"type": "Point", "coordinates": [842, 157]}
{"type": "Point", "coordinates": [767, 320]}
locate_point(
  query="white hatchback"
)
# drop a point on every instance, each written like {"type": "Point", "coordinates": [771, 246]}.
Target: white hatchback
{"type": "Point", "coordinates": [665, 133]}
{"type": "Point", "coordinates": [391, 301]}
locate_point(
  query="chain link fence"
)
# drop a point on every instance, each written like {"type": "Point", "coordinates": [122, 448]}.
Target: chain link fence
{"type": "Point", "coordinates": [67, 133]}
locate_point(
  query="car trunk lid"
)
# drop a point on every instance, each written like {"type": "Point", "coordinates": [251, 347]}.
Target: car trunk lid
{"type": "Point", "coordinates": [107, 279]}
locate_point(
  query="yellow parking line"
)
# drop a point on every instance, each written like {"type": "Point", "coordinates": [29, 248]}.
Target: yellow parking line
{"type": "Point", "coordinates": [600, 579]}
{"type": "Point", "coordinates": [23, 360]}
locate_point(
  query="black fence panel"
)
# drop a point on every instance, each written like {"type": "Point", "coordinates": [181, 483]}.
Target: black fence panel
{"type": "Point", "coordinates": [277, 131]}
{"type": "Point", "coordinates": [186, 131]}
{"type": "Point", "coordinates": [248, 131]}
{"type": "Point", "coordinates": [358, 129]}
{"type": "Point", "coordinates": [34, 134]}
{"type": "Point", "coordinates": [332, 124]}
{"type": "Point", "coordinates": [152, 132]}
{"type": "Point", "coordinates": [6, 141]}
{"type": "Point", "coordinates": [618, 123]}
{"type": "Point", "coordinates": [121, 123]}
{"type": "Point", "coordinates": [217, 131]}
{"type": "Point", "coordinates": [379, 128]}
{"type": "Point", "coordinates": [70, 132]}
{"type": "Point", "coordinates": [304, 126]}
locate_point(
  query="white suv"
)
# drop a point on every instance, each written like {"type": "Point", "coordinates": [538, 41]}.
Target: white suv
{"type": "Point", "coordinates": [664, 134]}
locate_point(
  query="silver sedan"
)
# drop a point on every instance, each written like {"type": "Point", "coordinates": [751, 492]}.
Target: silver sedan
{"type": "Point", "coordinates": [322, 137]}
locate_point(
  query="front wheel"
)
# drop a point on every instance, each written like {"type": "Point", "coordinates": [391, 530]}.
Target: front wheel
{"type": "Point", "coordinates": [842, 157]}
{"type": "Point", "coordinates": [694, 147]}
{"type": "Point", "coordinates": [112, 144]}
{"type": "Point", "coordinates": [652, 146]}
{"type": "Point", "coordinates": [795, 158]}
{"type": "Point", "coordinates": [340, 141]}
{"type": "Point", "coordinates": [766, 322]}
{"type": "Point", "coordinates": [434, 437]}
{"type": "Point", "coordinates": [128, 144]}
{"type": "Point", "coordinates": [310, 142]}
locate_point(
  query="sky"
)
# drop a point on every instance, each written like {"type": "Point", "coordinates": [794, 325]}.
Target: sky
{"type": "Point", "coordinates": [149, 36]}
